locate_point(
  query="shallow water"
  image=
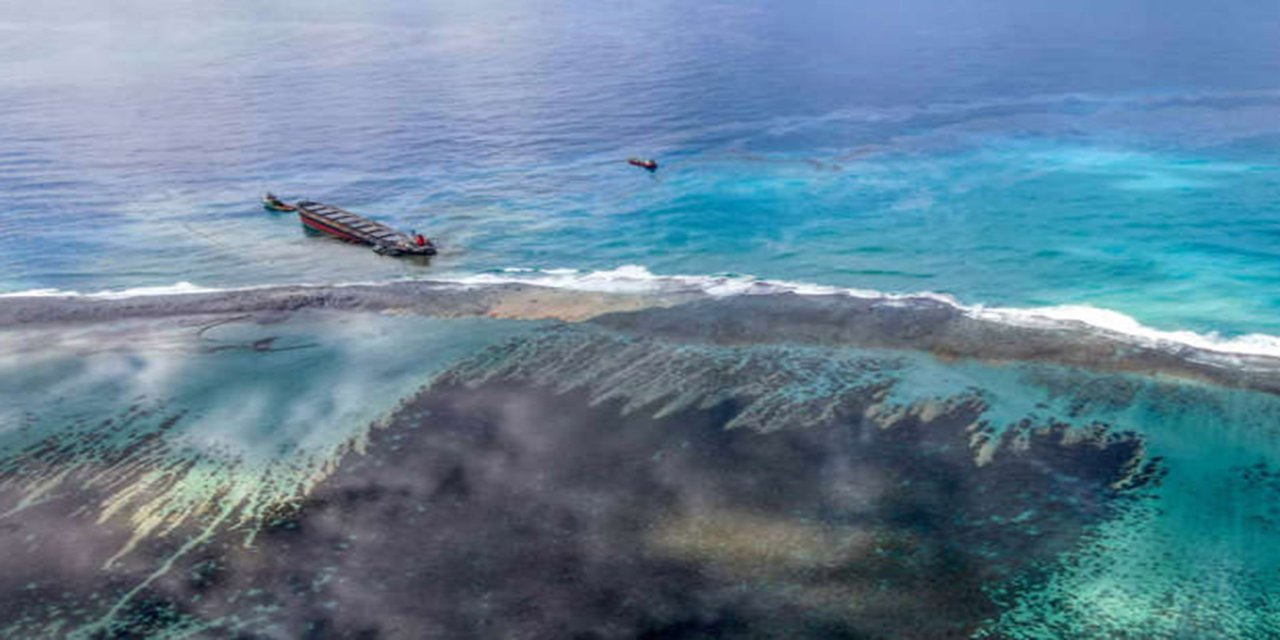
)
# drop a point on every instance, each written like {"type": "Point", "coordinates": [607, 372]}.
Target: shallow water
{"type": "Point", "coordinates": [338, 472]}
{"type": "Point", "coordinates": [683, 404]}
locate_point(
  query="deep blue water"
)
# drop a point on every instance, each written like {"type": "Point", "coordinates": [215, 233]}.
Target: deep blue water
{"type": "Point", "coordinates": [1113, 155]}
{"type": "Point", "coordinates": [694, 468]}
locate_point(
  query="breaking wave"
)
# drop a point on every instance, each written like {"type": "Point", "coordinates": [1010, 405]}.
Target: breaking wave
{"type": "Point", "coordinates": [634, 280]}
{"type": "Point", "coordinates": [637, 279]}
{"type": "Point", "coordinates": [694, 391]}
{"type": "Point", "coordinates": [178, 288]}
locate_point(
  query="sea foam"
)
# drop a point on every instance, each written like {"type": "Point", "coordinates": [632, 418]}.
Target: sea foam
{"type": "Point", "coordinates": [178, 288]}
{"type": "Point", "coordinates": [640, 281]}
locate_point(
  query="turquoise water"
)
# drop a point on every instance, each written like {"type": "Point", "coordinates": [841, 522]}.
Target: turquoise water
{"type": "Point", "coordinates": [689, 465]}
{"type": "Point", "coordinates": [985, 151]}
{"type": "Point", "coordinates": [196, 477]}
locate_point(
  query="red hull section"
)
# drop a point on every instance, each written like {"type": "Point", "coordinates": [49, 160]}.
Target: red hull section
{"type": "Point", "coordinates": [647, 164]}
{"type": "Point", "coordinates": [344, 225]}
{"type": "Point", "coordinates": [317, 225]}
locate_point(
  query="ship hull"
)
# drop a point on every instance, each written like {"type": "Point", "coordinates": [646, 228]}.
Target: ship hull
{"type": "Point", "coordinates": [349, 227]}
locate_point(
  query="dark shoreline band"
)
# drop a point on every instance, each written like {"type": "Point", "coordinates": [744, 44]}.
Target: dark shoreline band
{"type": "Point", "coordinates": [920, 324]}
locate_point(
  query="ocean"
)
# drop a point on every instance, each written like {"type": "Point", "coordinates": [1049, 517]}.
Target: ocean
{"type": "Point", "coordinates": [937, 320]}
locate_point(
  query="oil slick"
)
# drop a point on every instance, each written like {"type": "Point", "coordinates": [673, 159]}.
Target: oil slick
{"type": "Point", "coordinates": [649, 470]}
{"type": "Point", "coordinates": [158, 434]}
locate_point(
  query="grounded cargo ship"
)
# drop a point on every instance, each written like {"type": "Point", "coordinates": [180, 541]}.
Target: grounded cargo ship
{"type": "Point", "coordinates": [344, 225]}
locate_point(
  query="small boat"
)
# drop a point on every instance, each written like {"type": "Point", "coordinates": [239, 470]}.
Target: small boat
{"type": "Point", "coordinates": [271, 203]}
{"type": "Point", "coordinates": [648, 164]}
{"type": "Point", "coordinates": [344, 225]}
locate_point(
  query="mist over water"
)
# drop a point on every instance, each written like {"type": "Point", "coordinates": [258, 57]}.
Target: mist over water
{"type": "Point", "coordinates": [687, 404]}
{"type": "Point", "coordinates": [344, 473]}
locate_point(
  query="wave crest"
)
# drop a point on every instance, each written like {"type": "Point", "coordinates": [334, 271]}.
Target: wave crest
{"type": "Point", "coordinates": [767, 310]}
{"type": "Point", "coordinates": [635, 279]}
